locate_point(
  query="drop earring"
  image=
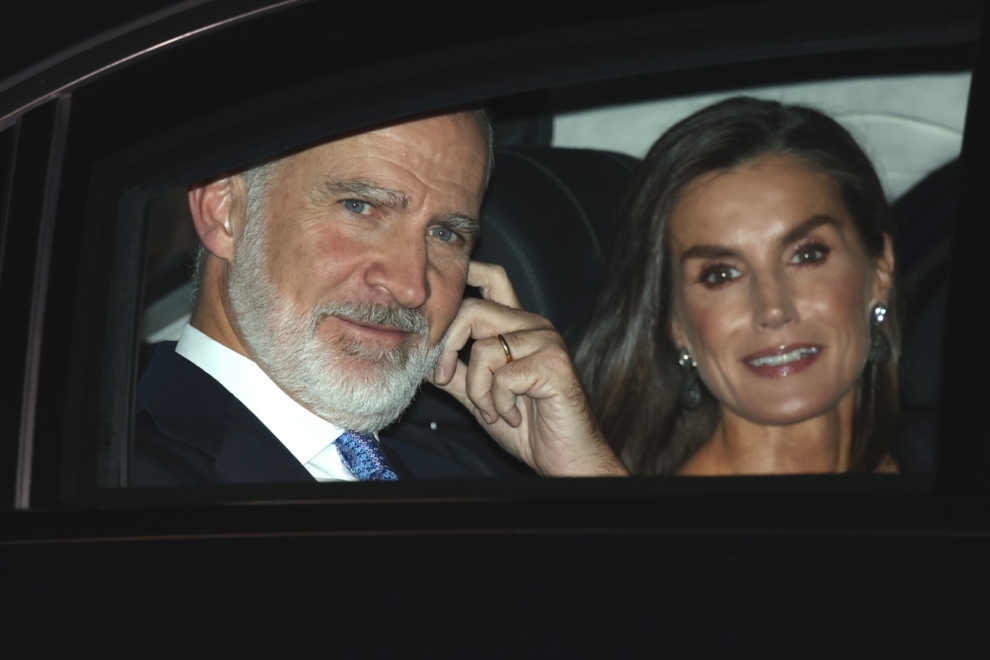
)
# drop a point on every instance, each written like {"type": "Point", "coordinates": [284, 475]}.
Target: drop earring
{"type": "Point", "coordinates": [690, 392]}
{"type": "Point", "coordinates": [879, 346]}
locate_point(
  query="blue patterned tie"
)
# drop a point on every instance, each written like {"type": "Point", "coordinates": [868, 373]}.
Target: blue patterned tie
{"type": "Point", "coordinates": [362, 456]}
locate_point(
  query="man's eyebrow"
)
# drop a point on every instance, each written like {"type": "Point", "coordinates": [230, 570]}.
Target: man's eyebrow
{"type": "Point", "coordinates": [459, 222]}
{"type": "Point", "coordinates": [382, 196]}
{"type": "Point", "coordinates": [796, 234]}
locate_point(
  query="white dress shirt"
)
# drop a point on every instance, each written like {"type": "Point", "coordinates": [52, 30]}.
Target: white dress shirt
{"type": "Point", "coordinates": [307, 437]}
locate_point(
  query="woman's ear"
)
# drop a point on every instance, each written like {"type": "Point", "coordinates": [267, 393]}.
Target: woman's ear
{"type": "Point", "coordinates": [213, 205]}
{"type": "Point", "coordinates": [883, 271]}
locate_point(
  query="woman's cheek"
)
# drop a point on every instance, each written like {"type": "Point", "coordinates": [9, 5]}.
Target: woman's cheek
{"type": "Point", "coordinates": [838, 308]}
{"type": "Point", "coordinates": [713, 320]}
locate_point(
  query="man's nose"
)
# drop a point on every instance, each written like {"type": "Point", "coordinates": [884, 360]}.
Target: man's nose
{"type": "Point", "coordinates": [400, 270]}
{"type": "Point", "coordinates": [773, 306]}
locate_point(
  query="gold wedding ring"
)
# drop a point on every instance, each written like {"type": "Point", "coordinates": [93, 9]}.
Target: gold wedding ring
{"type": "Point", "coordinates": [505, 347]}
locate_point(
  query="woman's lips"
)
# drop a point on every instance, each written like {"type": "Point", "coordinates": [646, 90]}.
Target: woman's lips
{"type": "Point", "coordinates": [783, 360]}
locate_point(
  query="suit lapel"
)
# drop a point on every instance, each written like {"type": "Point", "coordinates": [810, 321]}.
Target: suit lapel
{"type": "Point", "coordinates": [188, 405]}
{"type": "Point", "coordinates": [250, 453]}
{"type": "Point", "coordinates": [395, 461]}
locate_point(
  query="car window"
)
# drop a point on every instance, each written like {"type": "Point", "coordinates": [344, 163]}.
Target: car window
{"type": "Point", "coordinates": [97, 155]}
{"type": "Point", "coordinates": [908, 136]}
{"type": "Point", "coordinates": [909, 125]}
{"type": "Point", "coordinates": [128, 254]}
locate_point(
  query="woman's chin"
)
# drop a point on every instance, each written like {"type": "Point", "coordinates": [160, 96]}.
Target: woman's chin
{"type": "Point", "coordinates": [793, 410]}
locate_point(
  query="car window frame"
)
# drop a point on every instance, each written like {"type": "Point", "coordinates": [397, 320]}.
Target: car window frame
{"type": "Point", "coordinates": [115, 190]}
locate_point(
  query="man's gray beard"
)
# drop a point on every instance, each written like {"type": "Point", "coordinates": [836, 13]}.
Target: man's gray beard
{"type": "Point", "coordinates": [287, 347]}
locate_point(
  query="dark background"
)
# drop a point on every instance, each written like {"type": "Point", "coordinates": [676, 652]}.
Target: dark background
{"type": "Point", "coordinates": [33, 30]}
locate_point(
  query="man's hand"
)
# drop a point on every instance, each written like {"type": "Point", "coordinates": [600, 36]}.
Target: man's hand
{"type": "Point", "coordinates": [534, 405]}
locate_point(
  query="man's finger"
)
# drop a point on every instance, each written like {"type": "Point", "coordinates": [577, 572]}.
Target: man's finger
{"type": "Point", "coordinates": [504, 398]}
{"type": "Point", "coordinates": [455, 383]}
{"type": "Point", "coordinates": [493, 283]}
{"type": "Point", "coordinates": [488, 360]}
{"type": "Point", "coordinates": [480, 319]}
{"type": "Point", "coordinates": [446, 368]}
{"type": "Point", "coordinates": [456, 386]}
{"type": "Point", "coordinates": [484, 361]}
{"type": "Point", "coordinates": [519, 381]}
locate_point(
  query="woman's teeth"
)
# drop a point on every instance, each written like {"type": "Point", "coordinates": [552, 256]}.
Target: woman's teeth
{"type": "Point", "coordinates": [777, 360]}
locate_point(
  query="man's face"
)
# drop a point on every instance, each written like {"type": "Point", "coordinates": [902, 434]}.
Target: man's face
{"type": "Point", "coordinates": [358, 264]}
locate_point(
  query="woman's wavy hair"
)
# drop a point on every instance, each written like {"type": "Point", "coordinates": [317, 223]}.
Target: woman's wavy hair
{"type": "Point", "coordinates": [626, 358]}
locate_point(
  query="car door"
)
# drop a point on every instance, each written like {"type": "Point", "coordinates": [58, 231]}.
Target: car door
{"type": "Point", "coordinates": [508, 567]}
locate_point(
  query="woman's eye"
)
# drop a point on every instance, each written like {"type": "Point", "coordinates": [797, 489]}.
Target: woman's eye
{"type": "Point", "coordinates": [357, 206]}
{"type": "Point", "coordinates": [442, 233]}
{"type": "Point", "coordinates": [719, 274]}
{"type": "Point", "coordinates": [809, 254]}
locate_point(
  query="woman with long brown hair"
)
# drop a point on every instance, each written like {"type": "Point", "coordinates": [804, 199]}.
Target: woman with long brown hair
{"type": "Point", "coordinates": [747, 318]}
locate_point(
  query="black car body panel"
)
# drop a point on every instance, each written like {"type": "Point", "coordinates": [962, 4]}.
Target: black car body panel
{"type": "Point", "coordinates": [858, 565]}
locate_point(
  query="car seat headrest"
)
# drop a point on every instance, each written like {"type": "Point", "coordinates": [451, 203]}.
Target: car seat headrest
{"type": "Point", "coordinates": [545, 219]}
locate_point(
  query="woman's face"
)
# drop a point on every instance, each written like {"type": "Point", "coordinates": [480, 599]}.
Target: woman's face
{"type": "Point", "coordinates": [773, 289]}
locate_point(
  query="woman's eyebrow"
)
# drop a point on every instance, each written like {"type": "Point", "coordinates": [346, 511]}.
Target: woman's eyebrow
{"type": "Point", "coordinates": [796, 234]}
{"type": "Point", "coordinates": [808, 226]}
{"type": "Point", "coordinates": [707, 252]}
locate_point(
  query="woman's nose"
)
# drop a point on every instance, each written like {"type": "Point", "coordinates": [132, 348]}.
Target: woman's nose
{"type": "Point", "coordinates": [773, 305]}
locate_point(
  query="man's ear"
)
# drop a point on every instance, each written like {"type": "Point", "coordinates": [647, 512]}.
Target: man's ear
{"type": "Point", "coordinates": [214, 207]}
{"type": "Point", "coordinates": [883, 270]}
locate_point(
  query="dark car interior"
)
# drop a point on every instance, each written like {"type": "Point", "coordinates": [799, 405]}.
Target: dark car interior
{"type": "Point", "coordinates": [96, 154]}
{"type": "Point", "coordinates": [546, 221]}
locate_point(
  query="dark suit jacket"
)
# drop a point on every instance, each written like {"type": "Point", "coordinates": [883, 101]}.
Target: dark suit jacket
{"type": "Point", "coordinates": [191, 430]}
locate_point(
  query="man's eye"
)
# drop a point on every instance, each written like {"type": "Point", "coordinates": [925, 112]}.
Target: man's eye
{"type": "Point", "coordinates": [809, 254]}
{"type": "Point", "coordinates": [719, 274]}
{"type": "Point", "coordinates": [357, 206]}
{"type": "Point", "coordinates": [443, 234]}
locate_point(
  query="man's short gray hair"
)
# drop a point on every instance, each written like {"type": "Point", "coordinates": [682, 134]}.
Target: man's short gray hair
{"type": "Point", "coordinates": [258, 183]}
{"type": "Point", "coordinates": [484, 119]}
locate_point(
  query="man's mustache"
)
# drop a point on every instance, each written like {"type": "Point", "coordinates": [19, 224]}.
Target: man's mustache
{"type": "Point", "coordinates": [400, 318]}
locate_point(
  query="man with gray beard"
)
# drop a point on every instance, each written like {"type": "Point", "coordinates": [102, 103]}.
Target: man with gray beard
{"type": "Point", "coordinates": [328, 289]}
